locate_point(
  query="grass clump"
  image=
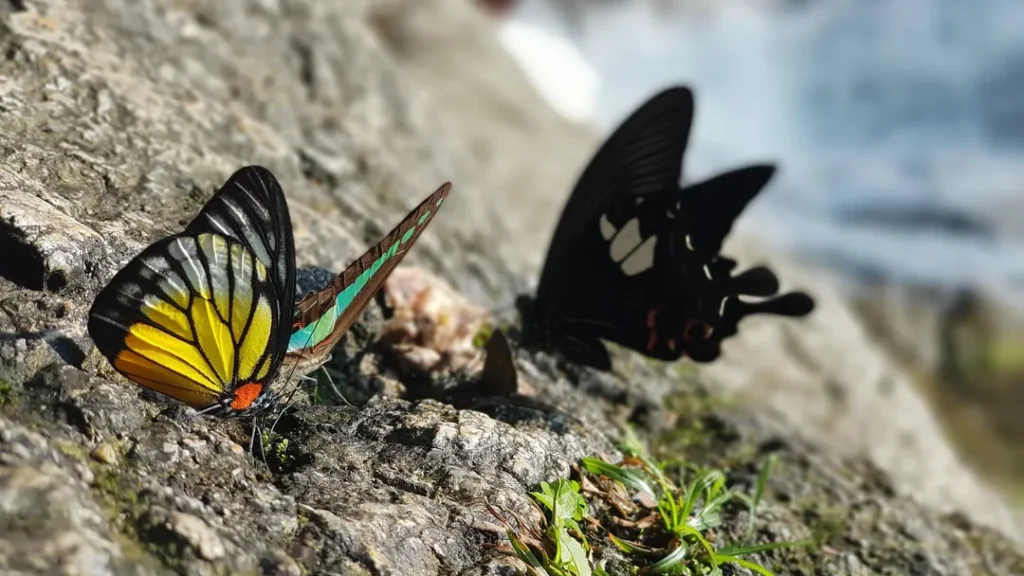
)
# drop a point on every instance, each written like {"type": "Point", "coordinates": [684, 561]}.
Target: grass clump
{"type": "Point", "coordinates": [631, 518]}
{"type": "Point", "coordinates": [561, 546]}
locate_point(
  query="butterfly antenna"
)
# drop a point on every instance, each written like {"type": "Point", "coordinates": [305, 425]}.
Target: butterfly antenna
{"type": "Point", "coordinates": [252, 440]}
{"type": "Point", "coordinates": [759, 281]}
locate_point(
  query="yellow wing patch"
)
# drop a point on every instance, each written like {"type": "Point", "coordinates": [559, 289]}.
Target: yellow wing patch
{"type": "Point", "coordinates": [207, 328]}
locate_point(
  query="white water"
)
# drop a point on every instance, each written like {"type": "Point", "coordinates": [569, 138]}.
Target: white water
{"type": "Point", "coordinates": [875, 104]}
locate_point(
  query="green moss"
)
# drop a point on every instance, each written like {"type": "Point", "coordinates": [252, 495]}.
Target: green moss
{"type": "Point", "coordinates": [8, 397]}
{"type": "Point", "coordinates": [276, 447]}
{"type": "Point", "coordinates": [827, 522]}
{"type": "Point", "coordinates": [118, 494]}
{"type": "Point", "coordinates": [483, 334]}
{"type": "Point", "coordinates": [700, 434]}
{"type": "Point", "coordinates": [72, 450]}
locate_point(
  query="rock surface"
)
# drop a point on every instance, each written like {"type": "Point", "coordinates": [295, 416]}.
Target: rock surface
{"type": "Point", "coordinates": [119, 118]}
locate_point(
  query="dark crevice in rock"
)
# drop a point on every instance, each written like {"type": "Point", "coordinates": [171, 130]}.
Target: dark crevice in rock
{"type": "Point", "coordinates": [68, 350]}
{"type": "Point", "coordinates": [22, 263]}
{"type": "Point", "coordinates": [18, 5]}
{"type": "Point", "coordinates": [305, 71]}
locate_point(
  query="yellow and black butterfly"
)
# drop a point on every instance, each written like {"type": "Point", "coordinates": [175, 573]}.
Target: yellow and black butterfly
{"type": "Point", "coordinates": [206, 316]}
{"type": "Point", "coordinates": [198, 315]}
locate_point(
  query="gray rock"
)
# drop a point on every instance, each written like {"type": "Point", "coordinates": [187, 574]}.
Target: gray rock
{"type": "Point", "coordinates": [118, 119]}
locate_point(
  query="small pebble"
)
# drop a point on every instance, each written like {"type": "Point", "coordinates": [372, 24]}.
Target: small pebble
{"type": "Point", "coordinates": [105, 453]}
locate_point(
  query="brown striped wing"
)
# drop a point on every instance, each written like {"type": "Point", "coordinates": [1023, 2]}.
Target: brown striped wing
{"type": "Point", "coordinates": [322, 318]}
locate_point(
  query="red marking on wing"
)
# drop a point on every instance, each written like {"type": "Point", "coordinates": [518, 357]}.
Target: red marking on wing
{"type": "Point", "coordinates": [245, 395]}
{"type": "Point", "coordinates": [651, 320]}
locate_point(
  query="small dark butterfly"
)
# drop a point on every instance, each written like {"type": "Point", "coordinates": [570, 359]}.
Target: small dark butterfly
{"type": "Point", "coordinates": [499, 376]}
{"type": "Point", "coordinates": [635, 258]}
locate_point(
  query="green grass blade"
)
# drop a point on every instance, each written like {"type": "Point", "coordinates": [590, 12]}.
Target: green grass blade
{"type": "Point", "coordinates": [674, 559]}
{"type": "Point", "coordinates": [526, 555]}
{"type": "Point", "coordinates": [762, 482]}
{"type": "Point", "coordinates": [684, 529]}
{"type": "Point", "coordinates": [631, 446]}
{"type": "Point", "coordinates": [703, 483]}
{"type": "Point", "coordinates": [758, 548]}
{"type": "Point", "coordinates": [630, 477]}
{"type": "Point", "coordinates": [722, 559]}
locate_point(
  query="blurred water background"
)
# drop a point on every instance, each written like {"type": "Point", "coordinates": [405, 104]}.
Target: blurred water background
{"type": "Point", "coordinates": [899, 129]}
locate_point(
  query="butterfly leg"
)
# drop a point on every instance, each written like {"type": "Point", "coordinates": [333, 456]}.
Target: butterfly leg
{"type": "Point", "coordinates": [334, 388]}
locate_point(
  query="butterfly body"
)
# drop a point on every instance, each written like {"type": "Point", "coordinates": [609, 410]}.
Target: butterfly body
{"type": "Point", "coordinates": [635, 257]}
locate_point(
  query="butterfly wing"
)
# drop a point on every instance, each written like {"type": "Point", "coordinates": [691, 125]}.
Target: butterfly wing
{"type": "Point", "coordinates": [193, 317]}
{"type": "Point", "coordinates": [643, 156]}
{"type": "Point", "coordinates": [322, 318]}
{"type": "Point", "coordinates": [578, 284]}
{"type": "Point", "coordinates": [694, 324]}
{"type": "Point", "coordinates": [251, 208]}
{"type": "Point", "coordinates": [792, 304]}
{"type": "Point", "coordinates": [498, 377]}
{"type": "Point", "coordinates": [717, 202]}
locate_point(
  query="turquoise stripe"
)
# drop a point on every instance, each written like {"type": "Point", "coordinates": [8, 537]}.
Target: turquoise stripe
{"type": "Point", "coordinates": [315, 332]}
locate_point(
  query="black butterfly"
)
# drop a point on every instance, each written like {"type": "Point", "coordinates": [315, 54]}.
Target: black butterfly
{"type": "Point", "coordinates": [635, 258]}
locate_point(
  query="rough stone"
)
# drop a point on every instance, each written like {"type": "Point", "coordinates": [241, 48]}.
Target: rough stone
{"type": "Point", "coordinates": [119, 118]}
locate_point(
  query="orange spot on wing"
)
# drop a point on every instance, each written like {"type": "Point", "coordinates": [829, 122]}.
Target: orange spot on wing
{"type": "Point", "coordinates": [245, 395]}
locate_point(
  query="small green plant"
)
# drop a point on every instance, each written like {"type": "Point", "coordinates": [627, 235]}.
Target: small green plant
{"type": "Point", "coordinates": [275, 448]}
{"type": "Point", "coordinates": [660, 526]}
{"type": "Point", "coordinates": [482, 335]}
{"type": "Point", "coordinates": [6, 393]}
{"type": "Point", "coordinates": [560, 553]}
{"type": "Point", "coordinates": [687, 513]}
